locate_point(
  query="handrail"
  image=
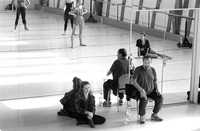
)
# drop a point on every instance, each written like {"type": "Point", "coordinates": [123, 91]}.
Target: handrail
{"type": "Point", "coordinates": [157, 10]}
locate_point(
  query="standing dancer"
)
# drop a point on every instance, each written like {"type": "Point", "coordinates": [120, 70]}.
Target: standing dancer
{"type": "Point", "coordinates": [78, 12]}
{"type": "Point", "coordinates": [69, 4]}
{"type": "Point", "coordinates": [21, 9]}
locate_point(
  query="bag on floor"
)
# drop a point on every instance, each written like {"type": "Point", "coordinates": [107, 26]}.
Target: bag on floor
{"type": "Point", "coordinates": [188, 96]}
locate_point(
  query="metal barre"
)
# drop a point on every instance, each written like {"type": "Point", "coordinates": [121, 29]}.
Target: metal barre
{"type": "Point", "coordinates": [170, 14]}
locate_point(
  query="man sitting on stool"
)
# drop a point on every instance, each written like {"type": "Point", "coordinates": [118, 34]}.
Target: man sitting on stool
{"type": "Point", "coordinates": [118, 68]}
{"type": "Point", "coordinates": [145, 80]}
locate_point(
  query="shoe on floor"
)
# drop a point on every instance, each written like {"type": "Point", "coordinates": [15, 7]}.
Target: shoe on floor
{"type": "Point", "coordinates": [156, 118]}
{"type": "Point", "coordinates": [120, 102]}
{"type": "Point", "coordinates": [142, 120]}
{"type": "Point", "coordinates": [106, 104]}
{"type": "Point", "coordinates": [82, 45]}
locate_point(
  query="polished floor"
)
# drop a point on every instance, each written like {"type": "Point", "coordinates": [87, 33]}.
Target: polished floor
{"type": "Point", "coordinates": [39, 114]}
{"type": "Point", "coordinates": [40, 62]}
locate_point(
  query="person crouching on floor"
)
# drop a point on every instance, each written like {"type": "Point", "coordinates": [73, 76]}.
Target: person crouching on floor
{"type": "Point", "coordinates": [68, 100]}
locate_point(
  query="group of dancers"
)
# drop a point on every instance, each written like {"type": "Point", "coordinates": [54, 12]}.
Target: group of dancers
{"type": "Point", "coordinates": [73, 11]}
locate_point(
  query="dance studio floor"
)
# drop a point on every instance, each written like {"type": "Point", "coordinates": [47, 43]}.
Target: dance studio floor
{"type": "Point", "coordinates": [40, 62]}
{"type": "Point", "coordinates": [39, 114]}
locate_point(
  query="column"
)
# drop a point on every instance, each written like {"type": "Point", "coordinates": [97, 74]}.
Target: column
{"type": "Point", "coordinates": [195, 60]}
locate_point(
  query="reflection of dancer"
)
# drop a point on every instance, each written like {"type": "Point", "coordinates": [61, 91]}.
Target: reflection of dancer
{"type": "Point", "coordinates": [144, 48]}
{"type": "Point", "coordinates": [78, 12]}
{"type": "Point", "coordinates": [68, 7]}
{"type": "Point", "coordinates": [21, 9]}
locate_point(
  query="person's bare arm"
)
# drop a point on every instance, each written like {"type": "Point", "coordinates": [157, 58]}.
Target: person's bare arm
{"type": "Point", "coordinates": [139, 51]}
{"type": "Point", "coordinates": [84, 11]}
{"type": "Point", "coordinates": [12, 2]}
{"type": "Point", "coordinates": [28, 2]}
{"type": "Point", "coordinates": [147, 51]}
{"type": "Point", "coordinates": [140, 89]}
{"type": "Point", "coordinates": [64, 8]}
{"type": "Point", "coordinates": [108, 73]}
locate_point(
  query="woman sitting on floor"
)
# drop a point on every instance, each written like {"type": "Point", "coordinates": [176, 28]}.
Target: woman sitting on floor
{"type": "Point", "coordinates": [68, 100]}
{"type": "Point", "coordinates": [85, 107]}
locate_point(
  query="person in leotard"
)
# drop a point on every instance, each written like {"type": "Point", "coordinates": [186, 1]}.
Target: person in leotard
{"type": "Point", "coordinates": [78, 13]}
{"type": "Point", "coordinates": [21, 9]}
{"type": "Point", "coordinates": [69, 5]}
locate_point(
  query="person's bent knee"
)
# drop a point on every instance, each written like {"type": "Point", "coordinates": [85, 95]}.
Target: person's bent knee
{"type": "Point", "coordinates": [160, 99]}
{"type": "Point", "coordinates": [143, 100]}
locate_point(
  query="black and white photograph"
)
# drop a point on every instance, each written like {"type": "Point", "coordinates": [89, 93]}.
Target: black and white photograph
{"type": "Point", "coordinates": [105, 65]}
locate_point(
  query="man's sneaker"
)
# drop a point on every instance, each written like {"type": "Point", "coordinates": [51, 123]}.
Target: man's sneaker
{"type": "Point", "coordinates": [120, 102]}
{"type": "Point", "coordinates": [26, 28]}
{"type": "Point", "coordinates": [106, 104]}
{"type": "Point", "coordinates": [64, 33]}
{"type": "Point", "coordinates": [156, 118]}
{"type": "Point", "coordinates": [142, 120]}
{"type": "Point", "coordinates": [81, 44]}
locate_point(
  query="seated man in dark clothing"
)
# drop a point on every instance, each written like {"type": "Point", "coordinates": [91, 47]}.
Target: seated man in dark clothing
{"type": "Point", "coordinates": [145, 80]}
{"type": "Point", "coordinates": [118, 68]}
{"type": "Point", "coordinates": [68, 100]}
{"type": "Point", "coordinates": [85, 107]}
{"type": "Point", "coordinates": [144, 48]}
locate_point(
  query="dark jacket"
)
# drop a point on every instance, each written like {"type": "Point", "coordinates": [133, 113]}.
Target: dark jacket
{"type": "Point", "coordinates": [82, 105]}
{"type": "Point", "coordinates": [68, 101]}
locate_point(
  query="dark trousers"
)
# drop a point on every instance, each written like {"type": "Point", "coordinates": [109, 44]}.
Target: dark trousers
{"type": "Point", "coordinates": [66, 18]}
{"type": "Point", "coordinates": [155, 96]}
{"type": "Point", "coordinates": [82, 119]}
{"type": "Point", "coordinates": [111, 85]}
{"type": "Point", "coordinates": [20, 11]}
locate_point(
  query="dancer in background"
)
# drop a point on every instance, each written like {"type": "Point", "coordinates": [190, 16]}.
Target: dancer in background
{"type": "Point", "coordinates": [21, 9]}
{"type": "Point", "coordinates": [69, 5]}
{"type": "Point", "coordinates": [78, 13]}
{"type": "Point", "coordinates": [144, 48]}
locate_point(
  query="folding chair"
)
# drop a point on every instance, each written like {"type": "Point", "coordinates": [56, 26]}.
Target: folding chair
{"type": "Point", "coordinates": [133, 93]}
{"type": "Point", "coordinates": [122, 81]}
